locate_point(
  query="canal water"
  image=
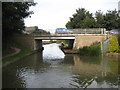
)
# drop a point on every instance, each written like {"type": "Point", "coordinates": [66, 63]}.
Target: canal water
{"type": "Point", "coordinates": [54, 69]}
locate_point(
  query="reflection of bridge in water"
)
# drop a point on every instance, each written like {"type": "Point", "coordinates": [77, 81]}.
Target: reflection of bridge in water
{"type": "Point", "coordinates": [88, 70]}
{"type": "Point", "coordinates": [81, 64]}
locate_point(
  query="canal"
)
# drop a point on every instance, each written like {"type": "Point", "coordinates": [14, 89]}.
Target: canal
{"type": "Point", "coordinates": [54, 69]}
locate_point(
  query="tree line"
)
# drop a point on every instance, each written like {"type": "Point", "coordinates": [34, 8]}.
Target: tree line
{"type": "Point", "coordinates": [13, 14]}
{"type": "Point", "coordinates": [84, 19]}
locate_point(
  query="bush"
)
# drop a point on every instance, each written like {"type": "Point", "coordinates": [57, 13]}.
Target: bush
{"type": "Point", "coordinates": [113, 46]}
{"type": "Point", "coordinates": [52, 41]}
{"type": "Point", "coordinates": [118, 37]}
{"type": "Point", "coordinates": [93, 50]}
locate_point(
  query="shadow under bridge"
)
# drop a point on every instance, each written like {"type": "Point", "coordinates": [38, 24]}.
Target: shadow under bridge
{"type": "Point", "coordinates": [38, 40]}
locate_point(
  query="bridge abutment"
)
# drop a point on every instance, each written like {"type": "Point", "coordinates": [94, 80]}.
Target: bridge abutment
{"type": "Point", "coordinates": [87, 40]}
{"type": "Point", "coordinates": [38, 44]}
{"type": "Point", "coordinates": [70, 44]}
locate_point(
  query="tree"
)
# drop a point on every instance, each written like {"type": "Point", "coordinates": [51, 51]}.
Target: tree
{"type": "Point", "coordinates": [88, 23]}
{"type": "Point", "coordinates": [84, 19]}
{"type": "Point", "coordinates": [69, 25]}
{"type": "Point", "coordinates": [99, 19]}
{"type": "Point", "coordinates": [13, 17]}
{"type": "Point", "coordinates": [78, 18]}
{"type": "Point", "coordinates": [111, 20]}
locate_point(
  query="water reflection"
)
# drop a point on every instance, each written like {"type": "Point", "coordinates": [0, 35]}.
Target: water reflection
{"type": "Point", "coordinates": [92, 72]}
{"type": "Point", "coordinates": [53, 69]}
{"type": "Point", "coordinates": [23, 71]}
{"type": "Point", "coordinates": [69, 59]}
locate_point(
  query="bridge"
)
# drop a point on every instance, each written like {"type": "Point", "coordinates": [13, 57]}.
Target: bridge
{"type": "Point", "coordinates": [76, 41]}
{"type": "Point", "coordinates": [55, 37]}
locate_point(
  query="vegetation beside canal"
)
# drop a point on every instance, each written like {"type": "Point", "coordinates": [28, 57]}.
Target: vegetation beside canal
{"type": "Point", "coordinates": [23, 52]}
{"type": "Point", "coordinates": [93, 50]}
{"type": "Point", "coordinates": [13, 22]}
{"type": "Point", "coordinates": [114, 46]}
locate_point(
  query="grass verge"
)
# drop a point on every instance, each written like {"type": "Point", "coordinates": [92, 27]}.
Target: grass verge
{"type": "Point", "coordinates": [24, 52]}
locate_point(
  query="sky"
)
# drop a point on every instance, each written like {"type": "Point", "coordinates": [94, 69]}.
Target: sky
{"type": "Point", "coordinates": [52, 14]}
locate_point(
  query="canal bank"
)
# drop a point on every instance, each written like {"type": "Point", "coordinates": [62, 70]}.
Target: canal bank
{"type": "Point", "coordinates": [70, 51]}
{"type": "Point", "coordinates": [19, 53]}
{"type": "Point", "coordinates": [113, 55]}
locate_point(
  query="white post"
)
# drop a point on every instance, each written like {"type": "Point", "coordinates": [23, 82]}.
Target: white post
{"type": "Point", "coordinates": [85, 31]}
{"type": "Point", "coordinates": [102, 31]}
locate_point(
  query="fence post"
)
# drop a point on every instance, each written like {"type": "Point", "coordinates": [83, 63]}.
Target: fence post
{"type": "Point", "coordinates": [102, 31]}
{"type": "Point", "coordinates": [85, 31]}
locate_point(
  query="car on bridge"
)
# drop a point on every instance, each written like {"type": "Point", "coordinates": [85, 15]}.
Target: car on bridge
{"type": "Point", "coordinates": [115, 31]}
{"type": "Point", "coordinates": [62, 31]}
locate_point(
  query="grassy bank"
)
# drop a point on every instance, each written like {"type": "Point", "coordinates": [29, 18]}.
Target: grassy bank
{"type": "Point", "coordinates": [24, 52]}
{"type": "Point", "coordinates": [93, 50]}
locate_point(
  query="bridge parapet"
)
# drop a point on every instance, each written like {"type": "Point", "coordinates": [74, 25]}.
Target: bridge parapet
{"type": "Point", "coordinates": [89, 31]}
{"type": "Point", "coordinates": [57, 35]}
{"type": "Point", "coordinates": [66, 36]}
